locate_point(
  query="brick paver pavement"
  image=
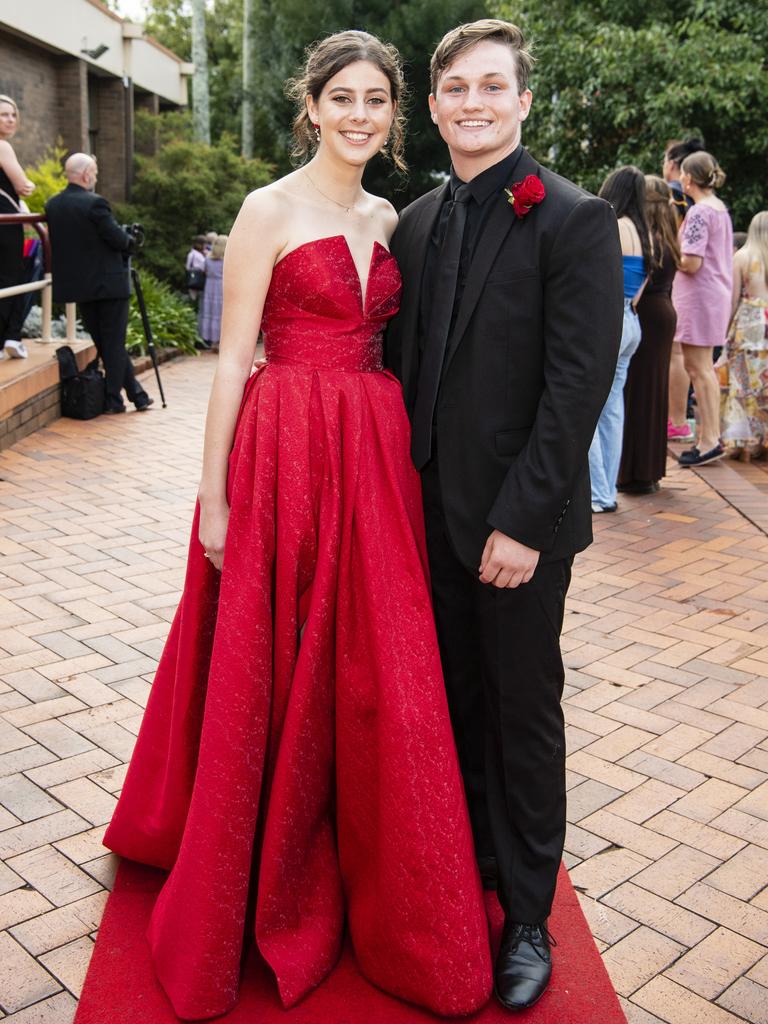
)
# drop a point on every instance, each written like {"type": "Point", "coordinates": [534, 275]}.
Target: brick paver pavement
{"type": "Point", "coordinates": [666, 700]}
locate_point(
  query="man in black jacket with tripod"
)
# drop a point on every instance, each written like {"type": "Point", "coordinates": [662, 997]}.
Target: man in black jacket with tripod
{"type": "Point", "coordinates": [90, 252]}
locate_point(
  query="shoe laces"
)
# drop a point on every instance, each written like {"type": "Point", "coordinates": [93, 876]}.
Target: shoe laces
{"type": "Point", "coordinates": [534, 934]}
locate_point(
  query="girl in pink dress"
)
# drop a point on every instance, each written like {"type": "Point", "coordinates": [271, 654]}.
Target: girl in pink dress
{"type": "Point", "coordinates": [702, 297]}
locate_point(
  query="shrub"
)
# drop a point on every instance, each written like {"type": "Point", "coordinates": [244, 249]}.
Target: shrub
{"type": "Point", "coordinates": [185, 189]}
{"type": "Point", "coordinates": [33, 325]}
{"type": "Point", "coordinates": [172, 319]}
{"type": "Point", "coordinates": [48, 176]}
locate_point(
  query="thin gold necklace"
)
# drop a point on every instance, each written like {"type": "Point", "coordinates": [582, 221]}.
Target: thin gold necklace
{"type": "Point", "coordinates": [346, 209]}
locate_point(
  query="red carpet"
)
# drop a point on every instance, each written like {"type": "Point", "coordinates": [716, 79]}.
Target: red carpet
{"type": "Point", "coordinates": [121, 989]}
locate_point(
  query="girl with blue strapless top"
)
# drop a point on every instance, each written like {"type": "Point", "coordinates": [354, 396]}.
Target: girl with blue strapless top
{"type": "Point", "coordinates": [295, 772]}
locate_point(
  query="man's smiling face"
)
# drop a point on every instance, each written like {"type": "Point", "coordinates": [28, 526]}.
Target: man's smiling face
{"type": "Point", "coordinates": [478, 108]}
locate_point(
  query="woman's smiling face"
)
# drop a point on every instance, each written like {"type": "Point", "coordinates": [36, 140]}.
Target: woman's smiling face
{"type": "Point", "coordinates": [354, 111]}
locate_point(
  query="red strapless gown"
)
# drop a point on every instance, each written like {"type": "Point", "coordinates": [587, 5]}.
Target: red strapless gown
{"type": "Point", "coordinates": [296, 766]}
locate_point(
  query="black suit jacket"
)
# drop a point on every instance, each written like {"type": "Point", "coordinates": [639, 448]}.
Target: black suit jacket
{"type": "Point", "coordinates": [88, 248]}
{"type": "Point", "coordinates": [528, 368]}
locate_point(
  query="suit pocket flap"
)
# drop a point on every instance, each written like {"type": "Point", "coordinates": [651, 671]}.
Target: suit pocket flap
{"type": "Point", "coordinates": [509, 275]}
{"type": "Point", "coordinates": [510, 442]}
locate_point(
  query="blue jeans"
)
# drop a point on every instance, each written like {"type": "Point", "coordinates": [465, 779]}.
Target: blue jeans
{"type": "Point", "coordinates": [605, 450]}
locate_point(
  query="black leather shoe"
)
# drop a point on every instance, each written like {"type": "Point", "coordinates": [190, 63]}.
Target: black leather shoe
{"type": "Point", "coordinates": [144, 404]}
{"type": "Point", "coordinates": [488, 873]}
{"type": "Point", "coordinates": [114, 410]}
{"type": "Point", "coordinates": [523, 966]}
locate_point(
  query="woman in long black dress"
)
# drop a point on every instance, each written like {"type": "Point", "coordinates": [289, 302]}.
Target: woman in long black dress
{"type": "Point", "coordinates": [13, 183]}
{"type": "Point", "coordinates": [646, 393]}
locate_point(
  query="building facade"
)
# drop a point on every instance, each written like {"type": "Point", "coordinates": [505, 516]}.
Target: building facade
{"type": "Point", "coordinates": [79, 73]}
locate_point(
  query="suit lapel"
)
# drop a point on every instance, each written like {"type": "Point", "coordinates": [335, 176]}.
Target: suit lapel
{"type": "Point", "coordinates": [501, 222]}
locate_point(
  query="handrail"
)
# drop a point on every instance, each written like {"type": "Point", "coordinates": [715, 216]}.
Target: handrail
{"type": "Point", "coordinates": [39, 222]}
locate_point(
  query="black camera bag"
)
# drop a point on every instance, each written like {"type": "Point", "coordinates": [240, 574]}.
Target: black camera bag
{"type": "Point", "coordinates": [83, 394]}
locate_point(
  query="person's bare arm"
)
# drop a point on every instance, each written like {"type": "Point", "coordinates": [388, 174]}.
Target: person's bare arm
{"type": "Point", "coordinates": [14, 170]}
{"type": "Point", "coordinates": [254, 243]}
{"type": "Point", "coordinates": [690, 264]}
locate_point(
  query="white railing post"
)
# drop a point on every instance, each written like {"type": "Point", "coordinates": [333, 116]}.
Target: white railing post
{"type": "Point", "coordinates": [46, 301]}
{"type": "Point", "coordinates": [71, 321]}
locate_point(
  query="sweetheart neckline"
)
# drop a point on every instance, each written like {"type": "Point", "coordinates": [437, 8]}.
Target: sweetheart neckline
{"type": "Point", "coordinates": [362, 293]}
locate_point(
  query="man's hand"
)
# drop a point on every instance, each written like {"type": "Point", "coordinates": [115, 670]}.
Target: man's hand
{"type": "Point", "coordinates": [507, 563]}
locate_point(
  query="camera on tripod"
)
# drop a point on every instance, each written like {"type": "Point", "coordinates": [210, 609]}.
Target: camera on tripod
{"type": "Point", "coordinates": [136, 233]}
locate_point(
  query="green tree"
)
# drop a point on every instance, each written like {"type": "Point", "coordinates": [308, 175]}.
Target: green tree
{"type": "Point", "coordinates": [170, 22]}
{"type": "Point", "coordinates": [184, 189]}
{"type": "Point", "coordinates": [286, 27]}
{"type": "Point", "coordinates": [201, 115]}
{"type": "Point", "coordinates": [616, 79]}
{"type": "Point", "coordinates": [282, 30]}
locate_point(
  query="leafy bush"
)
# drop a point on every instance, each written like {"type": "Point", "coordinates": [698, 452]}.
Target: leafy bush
{"type": "Point", "coordinates": [185, 189]}
{"type": "Point", "coordinates": [48, 176]}
{"type": "Point", "coordinates": [33, 325]}
{"type": "Point", "coordinates": [172, 319]}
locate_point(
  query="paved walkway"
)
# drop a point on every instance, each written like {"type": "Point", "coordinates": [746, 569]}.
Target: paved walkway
{"type": "Point", "coordinates": [667, 703]}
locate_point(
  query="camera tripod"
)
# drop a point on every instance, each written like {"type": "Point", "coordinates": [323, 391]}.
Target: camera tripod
{"type": "Point", "coordinates": [147, 331]}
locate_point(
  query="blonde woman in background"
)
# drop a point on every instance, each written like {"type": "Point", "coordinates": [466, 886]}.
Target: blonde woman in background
{"type": "Point", "coordinates": [702, 297]}
{"type": "Point", "coordinates": [13, 184]}
{"type": "Point", "coordinates": [209, 314]}
{"type": "Point", "coordinates": [745, 410]}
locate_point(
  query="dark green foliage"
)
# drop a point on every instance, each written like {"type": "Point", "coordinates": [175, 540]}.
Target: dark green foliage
{"type": "Point", "coordinates": [172, 318]}
{"type": "Point", "coordinates": [171, 24]}
{"type": "Point", "coordinates": [616, 79]}
{"type": "Point", "coordinates": [187, 188]}
{"type": "Point", "coordinates": [284, 29]}
{"type": "Point", "coordinates": [627, 76]}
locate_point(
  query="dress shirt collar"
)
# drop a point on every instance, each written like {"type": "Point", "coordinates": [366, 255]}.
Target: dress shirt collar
{"type": "Point", "coordinates": [491, 180]}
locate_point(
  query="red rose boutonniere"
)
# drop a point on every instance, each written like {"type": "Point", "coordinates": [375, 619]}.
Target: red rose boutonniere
{"type": "Point", "coordinates": [526, 194]}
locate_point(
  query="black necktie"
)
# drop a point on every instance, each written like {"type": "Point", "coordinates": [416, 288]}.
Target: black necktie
{"type": "Point", "coordinates": [439, 328]}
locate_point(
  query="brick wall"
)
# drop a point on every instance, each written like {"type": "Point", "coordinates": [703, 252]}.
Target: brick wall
{"type": "Point", "coordinates": [112, 101]}
{"type": "Point", "coordinates": [36, 412]}
{"type": "Point", "coordinates": [29, 75]}
{"type": "Point", "coordinates": [59, 98]}
{"type": "Point", "coordinates": [72, 104]}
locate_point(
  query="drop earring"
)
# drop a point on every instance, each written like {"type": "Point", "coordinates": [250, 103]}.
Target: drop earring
{"type": "Point", "coordinates": [317, 131]}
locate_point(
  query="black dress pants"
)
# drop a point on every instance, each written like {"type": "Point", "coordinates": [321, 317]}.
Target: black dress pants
{"type": "Point", "coordinates": [504, 678]}
{"type": "Point", "coordinates": [11, 273]}
{"type": "Point", "coordinates": [106, 320]}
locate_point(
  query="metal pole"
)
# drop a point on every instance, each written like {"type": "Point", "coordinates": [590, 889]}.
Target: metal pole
{"type": "Point", "coordinates": [147, 330]}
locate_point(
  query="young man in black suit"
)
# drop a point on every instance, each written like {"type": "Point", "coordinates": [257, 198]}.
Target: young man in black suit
{"type": "Point", "coordinates": [506, 344]}
{"type": "Point", "coordinates": [89, 253]}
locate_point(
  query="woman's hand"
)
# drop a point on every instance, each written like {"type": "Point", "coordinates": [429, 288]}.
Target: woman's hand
{"type": "Point", "coordinates": [214, 520]}
{"type": "Point", "coordinates": [27, 188]}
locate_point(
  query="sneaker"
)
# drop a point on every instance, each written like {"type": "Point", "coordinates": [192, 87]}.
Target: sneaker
{"type": "Point", "coordinates": [693, 457]}
{"type": "Point", "coordinates": [16, 350]}
{"type": "Point", "coordinates": [681, 433]}
{"type": "Point", "coordinates": [604, 508]}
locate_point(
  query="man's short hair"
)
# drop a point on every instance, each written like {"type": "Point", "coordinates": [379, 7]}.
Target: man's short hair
{"type": "Point", "coordinates": [494, 30]}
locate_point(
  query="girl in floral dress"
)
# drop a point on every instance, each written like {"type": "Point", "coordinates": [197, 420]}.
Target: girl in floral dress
{"type": "Point", "coordinates": [745, 405]}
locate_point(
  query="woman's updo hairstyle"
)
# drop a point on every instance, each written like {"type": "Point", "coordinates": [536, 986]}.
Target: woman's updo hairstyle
{"type": "Point", "coordinates": [704, 170]}
{"type": "Point", "coordinates": [324, 60]}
